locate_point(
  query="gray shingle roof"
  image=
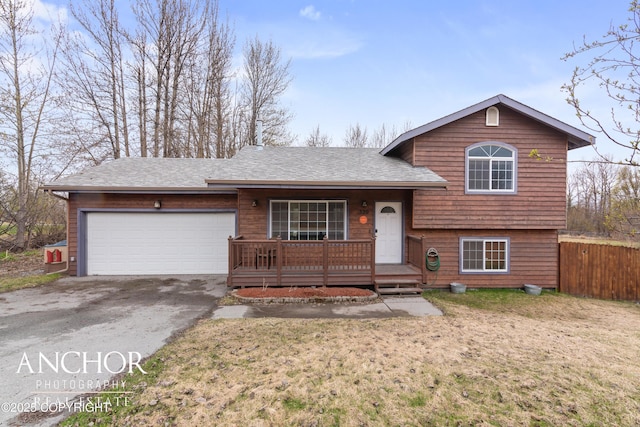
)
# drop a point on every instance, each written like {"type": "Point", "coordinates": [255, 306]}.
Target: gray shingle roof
{"type": "Point", "coordinates": [291, 167]}
{"type": "Point", "coordinates": [138, 174]}
{"type": "Point", "coordinates": [254, 167]}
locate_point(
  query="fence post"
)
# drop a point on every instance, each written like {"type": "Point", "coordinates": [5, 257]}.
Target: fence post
{"type": "Point", "coordinates": [279, 256]}
{"type": "Point", "coordinates": [372, 262]}
{"type": "Point", "coordinates": [423, 258]}
{"type": "Point", "coordinates": [325, 260]}
{"type": "Point", "coordinates": [231, 262]}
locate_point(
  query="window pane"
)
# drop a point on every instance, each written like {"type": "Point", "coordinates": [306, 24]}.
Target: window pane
{"type": "Point", "coordinates": [495, 255]}
{"type": "Point", "coordinates": [498, 151]}
{"type": "Point", "coordinates": [501, 175]}
{"type": "Point", "coordinates": [472, 255]}
{"type": "Point", "coordinates": [479, 174]}
{"type": "Point", "coordinates": [478, 152]}
{"type": "Point", "coordinates": [280, 219]}
{"type": "Point", "coordinates": [336, 220]}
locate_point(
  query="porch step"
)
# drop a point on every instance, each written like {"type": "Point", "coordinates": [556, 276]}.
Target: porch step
{"type": "Point", "coordinates": [397, 286]}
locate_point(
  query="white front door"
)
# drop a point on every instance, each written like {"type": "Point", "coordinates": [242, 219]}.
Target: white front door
{"type": "Point", "coordinates": [388, 232]}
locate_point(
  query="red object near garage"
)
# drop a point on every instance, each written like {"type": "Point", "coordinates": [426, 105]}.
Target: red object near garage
{"type": "Point", "coordinates": [49, 257]}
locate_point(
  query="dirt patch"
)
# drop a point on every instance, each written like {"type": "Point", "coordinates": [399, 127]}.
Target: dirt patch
{"type": "Point", "coordinates": [303, 295]}
{"type": "Point", "coordinates": [21, 264]}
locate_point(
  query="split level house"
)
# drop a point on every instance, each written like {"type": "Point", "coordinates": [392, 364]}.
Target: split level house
{"type": "Point", "coordinates": [465, 187]}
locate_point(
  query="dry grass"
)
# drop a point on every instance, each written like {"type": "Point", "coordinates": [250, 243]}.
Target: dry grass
{"type": "Point", "coordinates": [23, 270]}
{"type": "Point", "coordinates": [550, 360]}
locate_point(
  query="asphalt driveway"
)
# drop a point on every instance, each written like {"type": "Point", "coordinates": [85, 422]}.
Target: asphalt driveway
{"type": "Point", "coordinates": [66, 339]}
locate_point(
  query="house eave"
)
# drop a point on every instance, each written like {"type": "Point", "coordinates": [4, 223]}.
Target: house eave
{"type": "Point", "coordinates": [313, 185]}
{"type": "Point", "coordinates": [135, 190]}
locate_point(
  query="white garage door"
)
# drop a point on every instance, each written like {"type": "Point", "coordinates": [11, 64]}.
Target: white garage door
{"type": "Point", "coordinates": [158, 243]}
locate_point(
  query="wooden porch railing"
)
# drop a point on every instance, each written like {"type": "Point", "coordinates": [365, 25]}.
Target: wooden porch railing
{"type": "Point", "coordinates": [416, 250]}
{"type": "Point", "coordinates": [311, 262]}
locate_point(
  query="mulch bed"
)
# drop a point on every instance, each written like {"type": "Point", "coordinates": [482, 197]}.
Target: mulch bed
{"type": "Point", "coordinates": [295, 292]}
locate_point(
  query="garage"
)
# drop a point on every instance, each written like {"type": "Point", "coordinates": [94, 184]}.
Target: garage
{"type": "Point", "coordinates": [153, 243]}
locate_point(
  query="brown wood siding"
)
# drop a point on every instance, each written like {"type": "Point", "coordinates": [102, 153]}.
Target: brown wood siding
{"type": "Point", "coordinates": [253, 221]}
{"type": "Point", "coordinates": [135, 201]}
{"type": "Point", "coordinates": [540, 202]}
{"type": "Point", "coordinates": [406, 152]}
{"type": "Point", "coordinates": [533, 259]}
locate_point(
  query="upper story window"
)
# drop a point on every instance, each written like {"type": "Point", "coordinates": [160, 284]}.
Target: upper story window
{"type": "Point", "coordinates": [491, 167]}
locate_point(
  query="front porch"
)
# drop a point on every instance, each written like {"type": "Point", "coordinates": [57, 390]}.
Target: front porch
{"type": "Point", "coordinates": [277, 262]}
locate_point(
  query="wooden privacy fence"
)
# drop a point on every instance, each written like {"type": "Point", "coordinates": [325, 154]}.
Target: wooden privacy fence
{"type": "Point", "coordinates": [600, 271]}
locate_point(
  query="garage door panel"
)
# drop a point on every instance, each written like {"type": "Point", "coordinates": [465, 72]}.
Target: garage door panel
{"type": "Point", "coordinates": [158, 243]}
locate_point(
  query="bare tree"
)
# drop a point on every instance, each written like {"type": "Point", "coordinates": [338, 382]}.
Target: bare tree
{"type": "Point", "coordinates": [623, 219]}
{"type": "Point", "coordinates": [614, 68]}
{"type": "Point", "coordinates": [316, 139]}
{"type": "Point", "coordinates": [356, 137]}
{"type": "Point", "coordinates": [589, 197]}
{"type": "Point", "coordinates": [167, 34]}
{"type": "Point", "coordinates": [208, 90]}
{"type": "Point", "coordinates": [94, 72]}
{"type": "Point", "coordinates": [267, 78]}
{"type": "Point", "coordinates": [25, 93]}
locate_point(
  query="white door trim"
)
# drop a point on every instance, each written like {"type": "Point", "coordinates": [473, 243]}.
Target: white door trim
{"type": "Point", "coordinates": [389, 232]}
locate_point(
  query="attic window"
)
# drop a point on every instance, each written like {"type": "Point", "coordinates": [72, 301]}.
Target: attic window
{"type": "Point", "coordinates": [493, 116]}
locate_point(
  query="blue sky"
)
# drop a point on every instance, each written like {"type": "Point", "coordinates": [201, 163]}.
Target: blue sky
{"type": "Point", "coordinates": [374, 62]}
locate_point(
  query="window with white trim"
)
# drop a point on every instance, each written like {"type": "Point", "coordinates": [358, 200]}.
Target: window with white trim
{"type": "Point", "coordinates": [484, 255]}
{"type": "Point", "coordinates": [308, 219]}
{"type": "Point", "coordinates": [491, 167]}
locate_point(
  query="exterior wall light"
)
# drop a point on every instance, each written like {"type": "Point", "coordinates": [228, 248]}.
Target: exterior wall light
{"type": "Point", "coordinates": [157, 204]}
{"type": "Point", "coordinates": [254, 203]}
{"type": "Point", "coordinates": [364, 204]}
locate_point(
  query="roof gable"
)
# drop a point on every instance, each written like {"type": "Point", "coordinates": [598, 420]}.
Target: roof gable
{"type": "Point", "coordinates": [576, 137]}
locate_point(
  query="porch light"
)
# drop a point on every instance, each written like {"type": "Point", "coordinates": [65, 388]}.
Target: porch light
{"type": "Point", "coordinates": [364, 204]}
{"type": "Point", "coordinates": [157, 204]}
{"type": "Point", "coordinates": [254, 203]}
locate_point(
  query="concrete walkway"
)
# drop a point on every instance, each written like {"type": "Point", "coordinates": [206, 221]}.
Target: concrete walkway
{"type": "Point", "coordinates": [389, 307]}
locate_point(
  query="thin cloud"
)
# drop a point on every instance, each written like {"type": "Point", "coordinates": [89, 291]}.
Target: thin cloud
{"type": "Point", "coordinates": [325, 44]}
{"type": "Point", "coordinates": [311, 13]}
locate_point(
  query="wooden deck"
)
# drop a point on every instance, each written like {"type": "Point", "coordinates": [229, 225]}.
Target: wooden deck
{"type": "Point", "coordinates": [278, 262]}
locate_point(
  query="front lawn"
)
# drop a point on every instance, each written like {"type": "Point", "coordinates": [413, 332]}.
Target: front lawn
{"type": "Point", "coordinates": [495, 358]}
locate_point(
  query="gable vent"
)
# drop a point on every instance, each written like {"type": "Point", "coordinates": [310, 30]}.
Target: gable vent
{"type": "Point", "coordinates": [493, 116]}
